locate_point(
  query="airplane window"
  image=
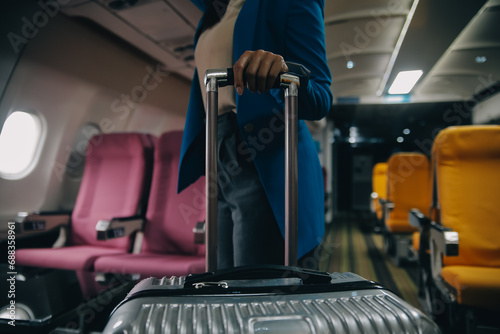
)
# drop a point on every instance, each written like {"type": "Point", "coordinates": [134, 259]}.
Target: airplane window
{"type": "Point", "coordinates": [19, 144]}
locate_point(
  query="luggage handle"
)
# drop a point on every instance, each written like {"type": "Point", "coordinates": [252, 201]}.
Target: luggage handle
{"type": "Point", "coordinates": [260, 272]}
{"type": "Point", "coordinates": [225, 77]}
{"type": "Point", "coordinates": [214, 79]}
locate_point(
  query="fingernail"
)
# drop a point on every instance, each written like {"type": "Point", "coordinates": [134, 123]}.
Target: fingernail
{"type": "Point", "coordinates": [239, 90]}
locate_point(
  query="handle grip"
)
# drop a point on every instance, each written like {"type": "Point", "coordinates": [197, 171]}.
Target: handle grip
{"type": "Point", "coordinates": [225, 77]}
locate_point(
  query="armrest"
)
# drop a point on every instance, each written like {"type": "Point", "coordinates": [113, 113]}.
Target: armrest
{"type": "Point", "coordinates": [418, 219]}
{"type": "Point", "coordinates": [53, 212]}
{"type": "Point", "coordinates": [443, 241]}
{"type": "Point", "coordinates": [386, 204]}
{"type": "Point", "coordinates": [199, 233]}
{"type": "Point", "coordinates": [389, 205]}
{"type": "Point", "coordinates": [373, 196]}
{"type": "Point", "coordinates": [118, 227]}
{"type": "Point", "coordinates": [37, 222]}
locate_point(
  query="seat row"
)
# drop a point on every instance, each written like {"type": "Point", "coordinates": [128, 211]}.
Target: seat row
{"type": "Point", "coordinates": [445, 213]}
{"type": "Point", "coordinates": [400, 184]}
{"type": "Point", "coordinates": [127, 218]}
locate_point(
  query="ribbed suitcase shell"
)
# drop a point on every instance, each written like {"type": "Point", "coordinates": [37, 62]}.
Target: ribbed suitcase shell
{"type": "Point", "coordinates": [360, 311]}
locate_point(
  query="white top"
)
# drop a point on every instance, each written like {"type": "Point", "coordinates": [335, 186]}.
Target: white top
{"type": "Point", "coordinates": [215, 50]}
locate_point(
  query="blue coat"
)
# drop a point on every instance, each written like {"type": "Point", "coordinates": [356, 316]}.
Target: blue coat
{"type": "Point", "coordinates": [295, 30]}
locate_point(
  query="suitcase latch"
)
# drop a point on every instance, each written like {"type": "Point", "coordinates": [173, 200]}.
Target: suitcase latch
{"type": "Point", "coordinates": [200, 285]}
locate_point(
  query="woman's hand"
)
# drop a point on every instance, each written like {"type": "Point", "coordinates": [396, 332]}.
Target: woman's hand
{"type": "Point", "coordinates": [259, 69]}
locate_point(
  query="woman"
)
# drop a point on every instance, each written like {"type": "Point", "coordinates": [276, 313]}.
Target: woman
{"type": "Point", "coordinates": [256, 37]}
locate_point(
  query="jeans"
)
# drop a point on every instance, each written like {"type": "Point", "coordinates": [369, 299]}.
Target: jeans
{"type": "Point", "coordinates": [248, 233]}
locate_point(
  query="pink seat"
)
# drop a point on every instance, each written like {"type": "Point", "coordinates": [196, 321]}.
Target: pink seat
{"type": "Point", "coordinates": [168, 247]}
{"type": "Point", "coordinates": [115, 183]}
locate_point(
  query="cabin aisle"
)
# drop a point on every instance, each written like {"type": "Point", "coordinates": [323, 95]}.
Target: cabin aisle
{"type": "Point", "coordinates": [350, 245]}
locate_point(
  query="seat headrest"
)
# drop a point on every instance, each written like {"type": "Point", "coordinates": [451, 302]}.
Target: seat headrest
{"type": "Point", "coordinates": [380, 168]}
{"type": "Point", "coordinates": [467, 143]}
{"type": "Point", "coordinates": [118, 144]}
{"type": "Point", "coordinates": [404, 162]}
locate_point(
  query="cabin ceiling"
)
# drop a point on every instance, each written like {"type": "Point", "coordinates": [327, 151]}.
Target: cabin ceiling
{"type": "Point", "coordinates": [456, 44]}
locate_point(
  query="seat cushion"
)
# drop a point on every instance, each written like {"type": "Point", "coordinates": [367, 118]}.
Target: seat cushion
{"type": "Point", "coordinates": [475, 286]}
{"type": "Point", "coordinates": [156, 265]}
{"type": "Point", "coordinates": [69, 258]}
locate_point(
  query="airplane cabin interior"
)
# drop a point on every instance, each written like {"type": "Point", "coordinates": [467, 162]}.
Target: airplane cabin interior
{"type": "Point", "coordinates": [93, 103]}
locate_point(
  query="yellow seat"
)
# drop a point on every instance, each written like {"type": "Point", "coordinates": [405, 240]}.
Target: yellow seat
{"type": "Point", "coordinates": [379, 187]}
{"type": "Point", "coordinates": [407, 188]}
{"type": "Point", "coordinates": [416, 241]}
{"type": "Point", "coordinates": [467, 170]}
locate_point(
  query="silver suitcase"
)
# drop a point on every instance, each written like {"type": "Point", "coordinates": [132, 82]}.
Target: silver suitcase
{"type": "Point", "coordinates": [268, 298]}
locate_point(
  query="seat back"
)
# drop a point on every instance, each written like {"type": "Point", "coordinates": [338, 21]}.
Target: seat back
{"type": "Point", "coordinates": [171, 217]}
{"type": "Point", "coordinates": [408, 188]}
{"type": "Point", "coordinates": [115, 183]}
{"type": "Point", "coordinates": [467, 165]}
{"type": "Point", "coordinates": [379, 186]}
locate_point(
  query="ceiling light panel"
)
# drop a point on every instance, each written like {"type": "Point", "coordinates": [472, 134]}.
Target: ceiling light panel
{"type": "Point", "coordinates": [405, 81]}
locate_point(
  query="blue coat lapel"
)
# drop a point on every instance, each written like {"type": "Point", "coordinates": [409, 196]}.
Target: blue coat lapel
{"type": "Point", "coordinates": [245, 27]}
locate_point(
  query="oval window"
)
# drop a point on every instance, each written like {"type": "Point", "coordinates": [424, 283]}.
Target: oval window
{"type": "Point", "coordinates": [20, 141]}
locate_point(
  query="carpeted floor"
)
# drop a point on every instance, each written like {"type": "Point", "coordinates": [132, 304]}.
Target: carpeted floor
{"type": "Point", "coordinates": [351, 245]}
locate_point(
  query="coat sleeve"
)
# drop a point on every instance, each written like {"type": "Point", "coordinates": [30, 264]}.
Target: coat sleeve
{"type": "Point", "coordinates": [305, 44]}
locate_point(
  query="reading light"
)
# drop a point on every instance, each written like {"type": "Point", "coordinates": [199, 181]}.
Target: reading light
{"type": "Point", "coordinates": [404, 82]}
{"type": "Point", "coordinates": [481, 59]}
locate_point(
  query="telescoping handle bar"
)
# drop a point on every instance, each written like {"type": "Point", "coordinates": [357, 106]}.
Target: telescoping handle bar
{"type": "Point", "coordinates": [214, 79]}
